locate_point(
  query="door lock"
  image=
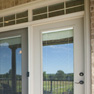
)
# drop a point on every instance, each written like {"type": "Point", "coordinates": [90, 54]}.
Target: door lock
{"type": "Point", "coordinates": [80, 82]}
{"type": "Point", "coordinates": [81, 74]}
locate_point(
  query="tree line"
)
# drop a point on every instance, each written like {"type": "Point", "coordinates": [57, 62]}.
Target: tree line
{"type": "Point", "coordinates": [59, 76]}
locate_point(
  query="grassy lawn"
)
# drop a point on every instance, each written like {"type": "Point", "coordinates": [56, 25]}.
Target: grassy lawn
{"type": "Point", "coordinates": [58, 87]}
{"type": "Point", "coordinates": [18, 85]}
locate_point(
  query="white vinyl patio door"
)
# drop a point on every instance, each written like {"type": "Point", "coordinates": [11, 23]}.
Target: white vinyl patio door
{"type": "Point", "coordinates": [59, 58]}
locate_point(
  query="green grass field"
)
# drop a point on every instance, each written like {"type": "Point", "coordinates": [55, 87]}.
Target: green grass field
{"type": "Point", "coordinates": [9, 83]}
{"type": "Point", "coordinates": [58, 87]}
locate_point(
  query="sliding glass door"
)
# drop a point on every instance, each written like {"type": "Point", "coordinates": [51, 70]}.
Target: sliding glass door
{"type": "Point", "coordinates": [13, 62]}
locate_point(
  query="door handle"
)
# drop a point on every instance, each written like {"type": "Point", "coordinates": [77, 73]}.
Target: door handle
{"type": "Point", "coordinates": [27, 74]}
{"type": "Point", "coordinates": [80, 82]}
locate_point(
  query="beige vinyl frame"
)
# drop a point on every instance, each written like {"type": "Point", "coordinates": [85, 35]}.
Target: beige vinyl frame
{"type": "Point", "coordinates": [30, 24]}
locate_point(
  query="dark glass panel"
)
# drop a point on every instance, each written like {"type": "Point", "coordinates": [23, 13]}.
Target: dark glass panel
{"type": "Point", "coordinates": [72, 3]}
{"type": "Point", "coordinates": [7, 23]}
{"type": "Point", "coordinates": [1, 19]}
{"type": "Point", "coordinates": [76, 9]}
{"type": "Point", "coordinates": [22, 14]}
{"type": "Point", "coordinates": [39, 10]}
{"type": "Point", "coordinates": [22, 20]}
{"type": "Point", "coordinates": [10, 17]}
{"type": "Point", "coordinates": [1, 24]}
{"type": "Point", "coordinates": [56, 7]}
{"type": "Point", "coordinates": [39, 17]}
{"type": "Point", "coordinates": [56, 13]}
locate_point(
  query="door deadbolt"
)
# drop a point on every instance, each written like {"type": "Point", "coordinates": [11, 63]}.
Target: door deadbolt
{"type": "Point", "coordinates": [81, 74]}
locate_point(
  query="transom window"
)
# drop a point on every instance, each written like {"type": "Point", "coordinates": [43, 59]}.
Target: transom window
{"type": "Point", "coordinates": [66, 7]}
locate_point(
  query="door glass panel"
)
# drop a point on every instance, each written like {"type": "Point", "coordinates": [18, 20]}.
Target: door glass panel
{"type": "Point", "coordinates": [58, 73]}
{"type": "Point", "coordinates": [10, 66]}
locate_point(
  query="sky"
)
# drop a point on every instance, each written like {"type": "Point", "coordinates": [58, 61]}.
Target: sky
{"type": "Point", "coordinates": [58, 57]}
{"type": "Point", "coordinates": [5, 60]}
{"type": "Point", "coordinates": [55, 57]}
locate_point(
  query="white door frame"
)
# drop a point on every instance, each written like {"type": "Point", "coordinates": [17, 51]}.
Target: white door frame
{"type": "Point", "coordinates": [30, 36]}
{"type": "Point", "coordinates": [77, 25]}
{"type": "Point", "coordinates": [87, 49]}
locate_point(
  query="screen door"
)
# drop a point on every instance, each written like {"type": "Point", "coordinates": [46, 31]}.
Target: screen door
{"type": "Point", "coordinates": [61, 62]}
{"type": "Point", "coordinates": [13, 62]}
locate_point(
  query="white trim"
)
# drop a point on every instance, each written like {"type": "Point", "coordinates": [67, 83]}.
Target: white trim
{"type": "Point", "coordinates": [53, 11]}
{"type": "Point", "coordinates": [59, 18]}
{"type": "Point", "coordinates": [29, 15]}
{"type": "Point", "coordinates": [38, 47]}
{"type": "Point", "coordinates": [87, 49]}
{"type": "Point", "coordinates": [30, 5]}
{"type": "Point", "coordinates": [10, 37]}
{"type": "Point", "coordinates": [35, 4]}
{"type": "Point", "coordinates": [30, 61]}
{"type": "Point", "coordinates": [56, 30]}
{"type": "Point", "coordinates": [44, 21]}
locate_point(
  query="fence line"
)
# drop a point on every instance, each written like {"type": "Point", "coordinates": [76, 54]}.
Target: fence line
{"type": "Point", "coordinates": [57, 87]}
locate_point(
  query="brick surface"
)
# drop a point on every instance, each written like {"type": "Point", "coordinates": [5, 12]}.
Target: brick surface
{"type": "Point", "coordinates": [92, 19]}
{"type": "Point", "coordinates": [7, 3]}
{"type": "Point", "coordinates": [92, 31]}
{"type": "Point", "coordinates": [11, 3]}
{"type": "Point", "coordinates": [1, 4]}
{"type": "Point", "coordinates": [92, 41]}
{"type": "Point", "coordinates": [91, 3]}
{"type": "Point", "coordinates": [92, 24]}
{"type": "Point", "coordinates": [18, 2]}
{"type": "Point", "coordinates": [92, 8]}
{"type": "Point", "coordinates": [92, 14]}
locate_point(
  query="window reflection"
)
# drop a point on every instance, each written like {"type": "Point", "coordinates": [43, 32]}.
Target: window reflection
{"type": "Point", "coordinates": [58, 75]}
{"type": "Point", "coordinates": [10, 66]}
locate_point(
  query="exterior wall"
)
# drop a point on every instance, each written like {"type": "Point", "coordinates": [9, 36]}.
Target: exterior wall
{"type": "Point", "coordinates": [92, 41]}
{"type": "Point", "coordinates": [11, 3]}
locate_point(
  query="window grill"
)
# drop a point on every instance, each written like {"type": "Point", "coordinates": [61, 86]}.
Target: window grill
{"type": "Point", "coordinates": [66, 7]}
{"type": "Point", "coordinates": [1, 21]}
{"type": "Point", "coordinates": [14, 19]}
{"type": "Point", "coordinates": [63, 8]}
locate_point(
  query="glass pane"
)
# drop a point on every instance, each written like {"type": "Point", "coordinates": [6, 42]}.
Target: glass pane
{"type": "Point", "coordinates": [1, 24]}
{"type": "Point", "coordinates": [39, 17]}
{"type": "Point", "coordinates": [76, 9]}
{"type": "Point", "coordinates": [22, 20]}
{"type": "Point", "coordinates": [56, 13]}
{"type": "Point", "coordinates": [39, 10]}
{"type": "Point", "coordinates": [72, 3]}
{"type": "Point", "coordinates": [22, 14]}
{"type": "Point", "coordinates": [1, 19]}
{"type": "Point", "coordinates": [56, 7]}
{"type": "Point", "coordinates": [10, 66]}
{"type": "Point", "coordinates": [58, 73]}
{"type": "Point", "coordinates": [10, 17]}
{"type": "Point", "coordinates": [7, 23]}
